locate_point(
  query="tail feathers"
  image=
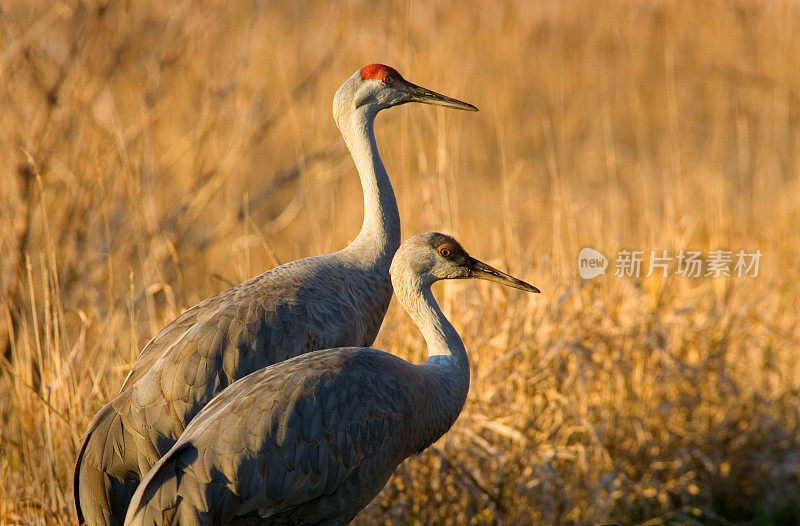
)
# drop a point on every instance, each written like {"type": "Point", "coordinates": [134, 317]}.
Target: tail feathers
{"type": "Point", "coordinates": [104, 479]}
{"type": "Point", "coordinates": [160, 494]}
{"type": "Point", "coordinates": [181, 489]}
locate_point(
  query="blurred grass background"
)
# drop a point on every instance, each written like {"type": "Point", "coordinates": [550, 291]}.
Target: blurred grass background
{"type": "Point", "coordinates": [152, 153]}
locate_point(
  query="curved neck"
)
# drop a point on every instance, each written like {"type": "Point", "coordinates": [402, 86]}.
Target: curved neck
{"type": "Point", "coordinates": [446, 370]}
{"type": "Point", "coordinates": [379, 237]}
{"type": "Point", "coordinates": [446, 352]}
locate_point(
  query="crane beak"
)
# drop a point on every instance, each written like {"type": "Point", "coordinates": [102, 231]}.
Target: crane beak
{"type": "Point", "coordinates": [426, 96]}
{"type": "Point", "coordinates": [480, 270]}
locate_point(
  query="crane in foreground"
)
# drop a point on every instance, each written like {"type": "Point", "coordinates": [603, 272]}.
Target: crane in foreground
{"type": "Point", "coordinates": [334, 300]}
{"type": "Point", "coordinates": [313, 439]}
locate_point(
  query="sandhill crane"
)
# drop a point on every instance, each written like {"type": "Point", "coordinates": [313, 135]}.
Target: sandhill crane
{"type": "Point", "coordinates": [315, 303]}
{"type": "Point", "coordinates": [313, 439]}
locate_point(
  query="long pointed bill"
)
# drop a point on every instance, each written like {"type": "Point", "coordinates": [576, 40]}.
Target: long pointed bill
{"type": "Point", "coordinates": [426, 96]}
{"type": "Point", "coordinates": [481, 270]}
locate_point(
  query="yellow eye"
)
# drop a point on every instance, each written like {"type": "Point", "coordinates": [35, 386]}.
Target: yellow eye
{"type": "Point", "coordinates": [445, 252]}
{"type": "Point", "coordinates": [387, 79]}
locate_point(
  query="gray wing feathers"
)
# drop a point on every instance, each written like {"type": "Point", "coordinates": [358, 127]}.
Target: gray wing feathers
{"type": "Point", "coordinates": [306, 432]}
{"type": "Point", "coordinates": [238, 339]}
{"type": "Point", "coordinates": [160, 343]}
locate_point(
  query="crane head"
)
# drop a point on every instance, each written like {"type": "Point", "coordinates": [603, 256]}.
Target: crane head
{"type": "Point", "coordinates": [378, 87]}
{"type": "Point", "coordinates": [432, 257]}
{"type": "Point", "coordinates": [391, 88]}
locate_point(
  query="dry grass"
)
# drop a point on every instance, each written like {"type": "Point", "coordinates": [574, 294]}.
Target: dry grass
{"type": "Point", "coordinates": [150, 154]}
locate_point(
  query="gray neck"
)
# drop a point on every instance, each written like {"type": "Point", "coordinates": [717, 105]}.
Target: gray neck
{"type": "Point", "coordinates": [379, 237]}
{"type": "Point", "coordinates": [447, 365]}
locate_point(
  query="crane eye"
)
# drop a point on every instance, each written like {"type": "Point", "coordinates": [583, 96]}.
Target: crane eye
{"type": "Point", "coordinates": [387, 79]}
{"type": "Point", "coordinates": [445, 252]}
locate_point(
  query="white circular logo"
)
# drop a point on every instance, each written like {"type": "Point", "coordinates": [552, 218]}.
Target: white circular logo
{"type": "Point", "coordinates": [591, 263]}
